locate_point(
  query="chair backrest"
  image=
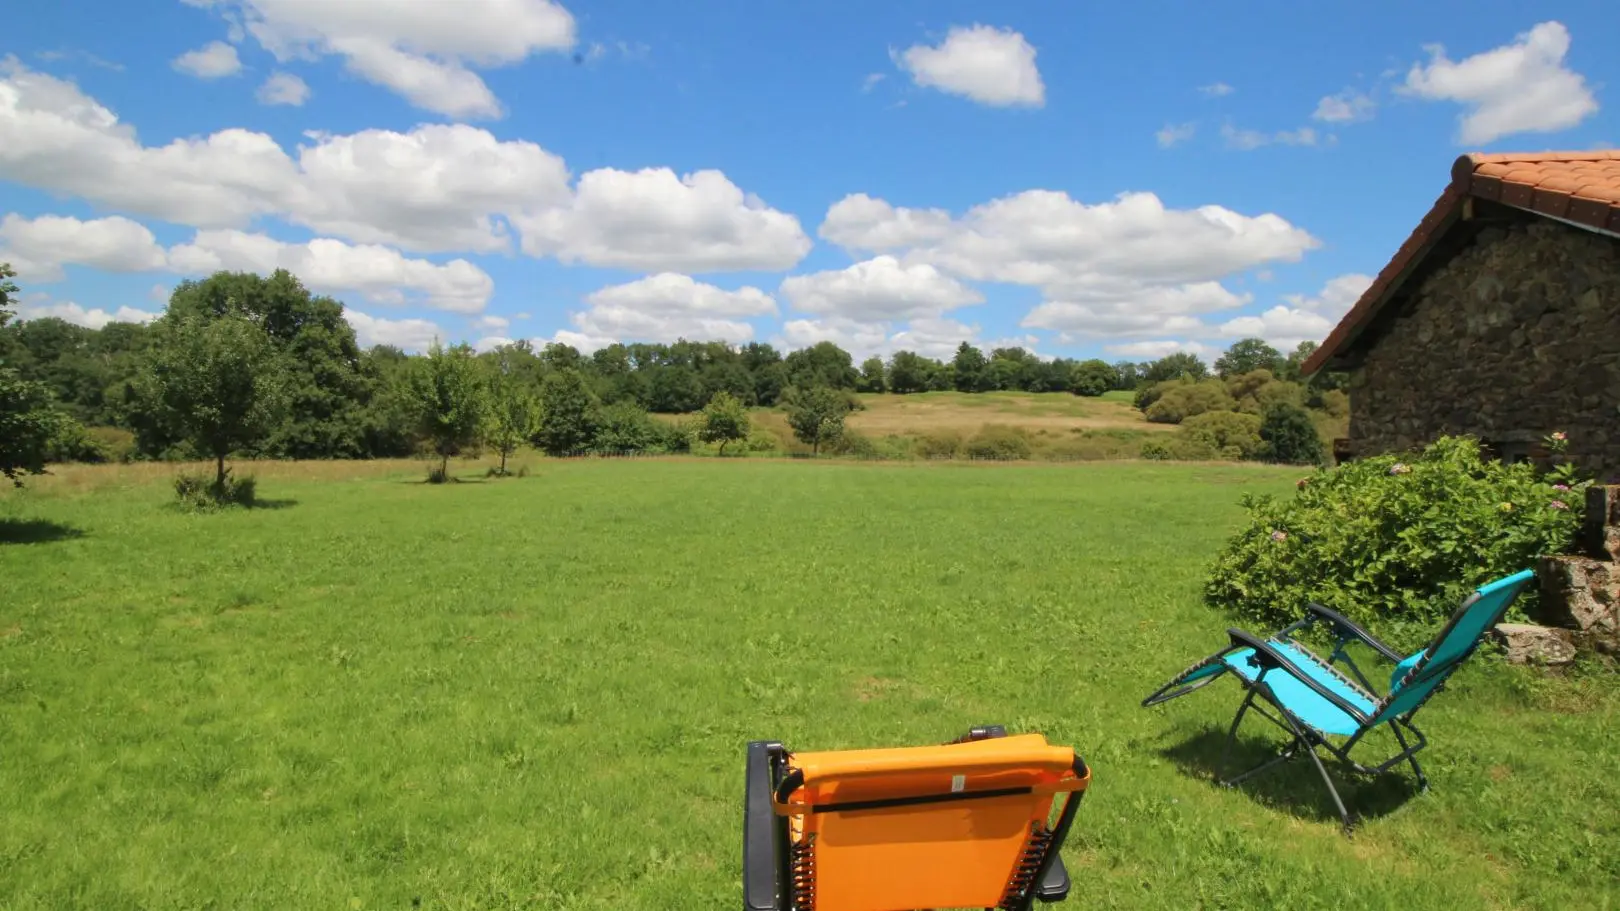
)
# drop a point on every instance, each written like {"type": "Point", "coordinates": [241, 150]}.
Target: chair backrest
{"type": "Point", "coordinates": [1418, 676]}
{"type": "Point", "coordinates": [961, 825]}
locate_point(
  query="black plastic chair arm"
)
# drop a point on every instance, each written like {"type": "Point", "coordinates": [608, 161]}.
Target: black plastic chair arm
{"type": "Point", "coordinates": [982, 733]}
{"type": "Point", "coordinates": [1347, 629]}
{"type": "Point", "coordinates": [1054, 886]}
{"type": "Point", "coordinates": [1271, 659]}
{"type": "Point", "coordinates": [762, 867]}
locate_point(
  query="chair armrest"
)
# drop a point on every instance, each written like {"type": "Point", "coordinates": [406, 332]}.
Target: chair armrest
{"type": "Point", "coordinates": [1349, 629]}
{"type": "Point", "coordinates": [762, 855]}
{"type": "Point", "coordinates": [1270, 659]}
{"type": "Point", "coordinates": [1054, 886]}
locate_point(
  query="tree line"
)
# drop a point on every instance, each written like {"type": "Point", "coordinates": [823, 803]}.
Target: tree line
{"type": "Point", "coordinates": [261, 366]}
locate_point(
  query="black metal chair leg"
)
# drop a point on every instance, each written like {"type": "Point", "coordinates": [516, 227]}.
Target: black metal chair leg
{"type": "Point", "coordinates": [1423, 780]}
{"type": "Point", "coordinates": [1344, 814]}
{"type": "Point", "coordinates": [1231, 736]}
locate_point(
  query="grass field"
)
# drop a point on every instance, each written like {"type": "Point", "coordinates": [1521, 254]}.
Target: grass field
{"type": "Point", "coordinates": [536, 693]}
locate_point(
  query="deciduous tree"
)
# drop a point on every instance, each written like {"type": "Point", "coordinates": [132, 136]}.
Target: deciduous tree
{"type": "Point", "coordinates": [725, 420]}
{"type": "Point", "coordinates": [215, 381]}
{"type": "Point", "coordinates": [817, 415]}
{"type": "Point", "coordinates": [450, 400]}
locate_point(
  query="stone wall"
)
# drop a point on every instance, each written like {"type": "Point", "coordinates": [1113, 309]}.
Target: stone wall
{"type": "Point", "coordinates": [1516, 336]}
{"type": "Point", "coordinates": [1580, 593]}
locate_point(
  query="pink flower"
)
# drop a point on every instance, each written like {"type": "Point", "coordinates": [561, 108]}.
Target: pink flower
{"type": "Point", "coordinates": [1302, 482]}
{"type": "Point", "coordinates": [1558, 504]}
{"type": "Point", "coordinates": [1400, 468]}
{"type": "Point", "coordinates": [1279, 535]}
{"type": "Point", "coordinates": [1559, 436]}
{"type": "Point", "coordinates": [1560, 487]}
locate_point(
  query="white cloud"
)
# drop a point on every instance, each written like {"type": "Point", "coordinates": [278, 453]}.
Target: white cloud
{"type": "Point", "coordinates": [871, 81]}
{"type": "Point", "coordinates": [1216, 90]}
{"type": "Point", "coordinates": [931, 336]}
{"type": "Point", "coordinates": [422, 51]}
{"type": "Point", "coordinates": [1045, 238]}
{"type": "Point", "coordinates": [39, 247]}
{"type": "Point", "coordinates": [1283, 327]}
{"type": "Point", "coordinates": [860, 338]}
{"type": "Point", "coordinates": [1349, 106]}
{"type": "Point", "coordinates": [213, 60]}
{"type": "Point", "coordinates": [667, 307]}
{"type": "Point", "coordinates": [159, 294]}
{"type": "Point", "coordinates": [55, 138]}
{"type": "Point", "coordinates": [879, 289]}
{"type": "Point", "coordinates": [1153, 350]}
{"type": "Point", "coordinates": [1305, 317]}
{"type": "Point", "coordinates": [405, 334]}
{"type": "Point", "coordinates": [283, 88]}
{"type": "Point", "coordinates": [861, 222]}
{"type": "Point", "coordinates": [1125, 267]}
{"type": "Point", "coordinates": [1175, 133]}
{"type": "Point", "coordinates": [378, 274]}
{"type": "Point", "coordinates": [435, 188]}
{"type": "Point", "coordinates": [39, 306]}
{"type": "Point", "coordinates": [585, 344]}
{"type": "Point", "coordinates": [490, 343]}
{"type": "Point", "coordinates": [1522, 87]}
{"type": "Point", "coordinates": [652, 220]}
{"type": "Point", "coordinates": [1337, 296]}
{"type": "Point", "coordinates": [1248, 140]}
{"type": "Point", "coordinates": [1128, 309]}
{"type": "Point", "coordinates": [492, 322]}
{"type": "Point", "coordinates": [989, 65]}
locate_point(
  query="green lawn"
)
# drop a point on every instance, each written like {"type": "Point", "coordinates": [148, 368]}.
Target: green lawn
{"type": "Point", "coordinates": [536, 693]}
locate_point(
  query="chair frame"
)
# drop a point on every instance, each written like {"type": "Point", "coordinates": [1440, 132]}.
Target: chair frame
{"type": "Point", "coordinates": [1303, 737]}
{"type": "Point", "coordinates": [768, 882]}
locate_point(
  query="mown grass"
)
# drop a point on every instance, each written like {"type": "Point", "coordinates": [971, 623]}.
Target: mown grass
{"type": "Point", "coordinates": [536, 693]}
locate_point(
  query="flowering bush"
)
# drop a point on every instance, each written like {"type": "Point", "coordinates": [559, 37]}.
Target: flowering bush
{"type": "Point", "coordinates": [1395, 541]}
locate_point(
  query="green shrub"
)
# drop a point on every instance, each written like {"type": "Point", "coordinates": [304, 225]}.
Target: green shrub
{"type": "Point", "coordinates": [1156, 450]}
{"type": "Point", "coordinates": [944, 444]}
{"type": "Point", "coordinates": [1392, 541]}
{"type": "Point", "coordinates": [999, 441]}
{"type": "Point", "coordinates": [1188, 399]}
{"type": "Point", "coordinates": [626, 427]}
{"type": "Point", "coordinates": [1149, 393]}
{"type": "Point", "coordinates": [1290, 436]}
{"type": "Point", "coordinates": [1222, 434]}
{"type": "Point", "coordinates": [1336, 403]}
{"type": "Point", "coordinates": [204, 492]}
{"type": "Point", "coordinates": [762, 440]}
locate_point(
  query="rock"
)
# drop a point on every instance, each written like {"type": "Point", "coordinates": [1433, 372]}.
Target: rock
{"type": "Point", "coordinates": [1600, 536]}
{"type": "Point", "coordinates": [1582, 595]}
{"type": "Point", "coordinates": [1529, 644]}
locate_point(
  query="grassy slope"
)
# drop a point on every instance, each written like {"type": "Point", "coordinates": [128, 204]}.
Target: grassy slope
{"type": "Point", "coordinates": [535, 693]}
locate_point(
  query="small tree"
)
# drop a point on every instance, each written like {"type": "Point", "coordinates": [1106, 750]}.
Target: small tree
{"type": "Point", "coordinates": [29, 420]}
{"type": "Point", "coordinates": [568, 413]}
{"type": "Point", "coordinates": [817, 416]}
{"type": "Point", "coordinates": [1248, 355]}
{"type": "Point", "coordinates": [1290, 436]}
{"type": "Point", "coordinates": [871, 378]}
{"type": "Point", "coordinates": [1092, 378]}
{"type": "Point", "coordinates": [215, 381]}
{"type": "Point", "coordinates": [725, 420]}
{"type": "Point", "coordinates": [451, 402]}
{"type": "Point", "coordinates": [514, 410]}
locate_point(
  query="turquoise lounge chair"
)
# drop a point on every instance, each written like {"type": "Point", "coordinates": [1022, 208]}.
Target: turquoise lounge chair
{"type": "Point", "coordinates": [1320, 706]}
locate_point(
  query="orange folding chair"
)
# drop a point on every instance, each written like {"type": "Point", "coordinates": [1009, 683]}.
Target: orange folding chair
{"type": "Point", "coordinates": [965, 825]}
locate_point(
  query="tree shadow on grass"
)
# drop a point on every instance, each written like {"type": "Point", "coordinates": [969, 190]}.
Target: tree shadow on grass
{"type": "Point", "coordinates": [1294, 787]}
{"type": "Point", "coordinates": [274, 504]}
{"type": "Point", "coordinates": [35, 531]}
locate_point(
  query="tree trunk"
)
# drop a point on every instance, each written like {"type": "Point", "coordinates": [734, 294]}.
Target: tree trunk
{"type": "Point", "coordinates": [503, 463]}
{"type": "Point", "coordinates": [723, 448]}
{"type": "Point", "coordinates": [444, 467]}
{"type": "Point", "coordinates": [219, 471]}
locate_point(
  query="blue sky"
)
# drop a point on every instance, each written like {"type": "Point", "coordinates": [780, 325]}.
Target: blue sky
{"type": "Point", "coordinates": [1084, 179]}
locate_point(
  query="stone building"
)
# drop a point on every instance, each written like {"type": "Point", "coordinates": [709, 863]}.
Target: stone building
{"type": "Point", "coordinates": [1499, 317]}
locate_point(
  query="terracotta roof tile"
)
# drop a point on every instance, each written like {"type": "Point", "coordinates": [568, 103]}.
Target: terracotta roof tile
{"type": "Point", "coordinates": [1583, 187]}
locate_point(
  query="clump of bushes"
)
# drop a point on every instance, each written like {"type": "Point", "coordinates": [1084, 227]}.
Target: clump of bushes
{"type": "Point", "coordinates": [1395, 542]}
{"type": "Point", "coordinates": [203, 492]}
{"type": "Point", "coordinates": [1182, 400]}
{"type": "Point", "coordinates": [1000, 442]}
{"type": "Point", "coordinates": [945, 444]}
